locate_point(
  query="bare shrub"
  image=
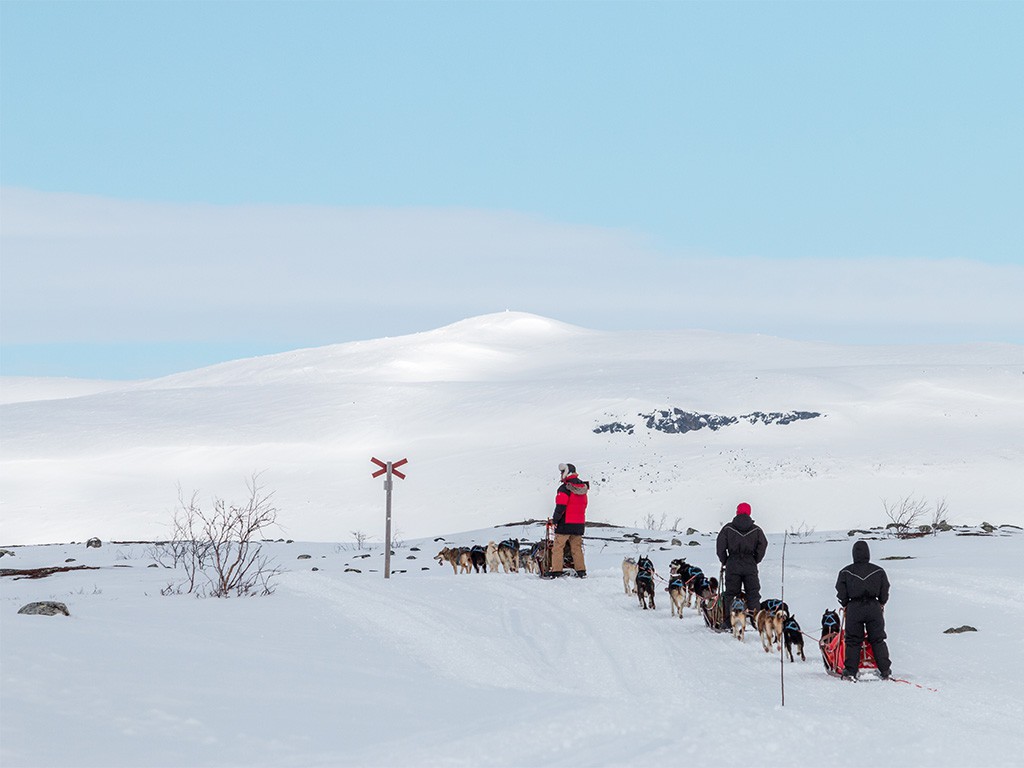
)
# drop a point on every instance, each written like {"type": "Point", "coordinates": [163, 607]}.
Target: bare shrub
{"type": "Point", "coordinates": [360, 538]}
{"type": "Point", "coordinates": [904, 514]}
{"type": "Point", "coordinates": [219, 549]}
{"type": "Point", "coordinates": [940, 516]}
{"type": "Point", "coordinates": [651, 523]}
{"type": "Point", "coordinates": [802, 531]}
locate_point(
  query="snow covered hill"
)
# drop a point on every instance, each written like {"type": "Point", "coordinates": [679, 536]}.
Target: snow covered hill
{"type": "Point", "coordinates": [486, 408]}
{"type": "Point", "coordinates": [340, 668]}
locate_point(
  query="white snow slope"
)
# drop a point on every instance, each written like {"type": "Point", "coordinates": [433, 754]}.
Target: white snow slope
{"type": "Point", "coordinates": [338, 668]}
{"type": "Point", "coordinates": [486, 408]}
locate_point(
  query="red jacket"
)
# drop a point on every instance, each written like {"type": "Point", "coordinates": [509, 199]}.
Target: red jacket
{"type": "Point", "coordinates": [571, 506]}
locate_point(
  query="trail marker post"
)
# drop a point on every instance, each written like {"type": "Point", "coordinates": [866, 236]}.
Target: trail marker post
{"type": "Point", "coordinates": [388, 468]}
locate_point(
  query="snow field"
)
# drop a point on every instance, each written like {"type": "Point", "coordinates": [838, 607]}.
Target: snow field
{"type": "Point", "coordinates": [428, 668]}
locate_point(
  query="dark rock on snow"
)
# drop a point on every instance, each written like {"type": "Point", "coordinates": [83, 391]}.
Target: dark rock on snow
{"type": "Point", "coordinates": [45, 608]}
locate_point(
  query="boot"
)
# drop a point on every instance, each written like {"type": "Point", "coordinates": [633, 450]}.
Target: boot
{"type": "Point", "coordinates": [554, 574]}
{"type": "Point", "coordinates": [581, 574]}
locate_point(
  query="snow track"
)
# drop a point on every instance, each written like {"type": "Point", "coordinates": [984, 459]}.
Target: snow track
{"type": "Point", "coordinates": [427, 668]}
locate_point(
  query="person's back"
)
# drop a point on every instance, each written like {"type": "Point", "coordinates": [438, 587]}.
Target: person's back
{"type": "Point", "coordinates": [862, 588]}
{"type": "Point", "coordinates": [741, 546]}
{"type": "Point", "coordinates": [741, 542]}
{"type": "Point", "coordinates": [570, 520]}
{"type": "Point", "coordinates": [862, 580]}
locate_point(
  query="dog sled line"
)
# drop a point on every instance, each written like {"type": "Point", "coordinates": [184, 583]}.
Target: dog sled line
{"type": "Point", "coordinates": [775, 624]}
{"type": "Point", "coordinates": [510, 555]}
{"type": "Point", "coordinates": [505, 555]}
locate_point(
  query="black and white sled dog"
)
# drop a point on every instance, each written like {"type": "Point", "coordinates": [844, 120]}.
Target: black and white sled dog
{"type": "Point", "coordinates": [508, 555]}
{"type": "Point", "coordinates": [794, 638]}
{"type": "Point", "coordinates": [645, 582]}
{"type": "Point", "coordinates": [478, 555]}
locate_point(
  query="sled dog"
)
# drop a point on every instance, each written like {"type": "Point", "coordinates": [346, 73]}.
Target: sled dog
{"type": "Point", "coordinates": [458, 557]}
{"type": "Point", "coordinates": [738, 617]}
{"type": "Point", "coordinates": [829, 623]}
{"type": "Point", "coordinates": [629, 575]}
{"type": "Point", "coordinates": [491, 556]}
{"type": "Point", "coordinates": [769, 626]}
{"type": "Point", "coordinates": [478, 556]}
{"type": "Point", "coordinates": [794, 638]}
{"type": "Point", "coordinates": [645, 582]}
{"type": "Point", "coordinates": [677, 595]}
{"type": "Point", "coordinates": [508, 555]}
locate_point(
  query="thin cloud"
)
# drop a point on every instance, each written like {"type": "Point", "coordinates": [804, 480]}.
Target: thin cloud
{"type": "Point", "coordinates": [94, 270]}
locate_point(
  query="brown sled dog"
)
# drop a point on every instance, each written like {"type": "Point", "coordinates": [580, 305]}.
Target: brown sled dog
{"type": "Point", "coordinates": [769, 626]}
{"type": "Point", "coordinates": [738, 617]}
{"type": "Point", "coordinates": [458, 557]}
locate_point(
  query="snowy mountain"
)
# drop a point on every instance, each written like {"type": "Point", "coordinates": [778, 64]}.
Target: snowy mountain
{"type": "Point", "coordinates": [666, 425]}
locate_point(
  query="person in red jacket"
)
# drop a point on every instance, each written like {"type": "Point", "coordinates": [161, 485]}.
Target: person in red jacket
{"type": "Point", "coordinates": [570, 519]}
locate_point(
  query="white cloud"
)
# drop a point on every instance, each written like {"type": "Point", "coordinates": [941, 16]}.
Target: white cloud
{"type": "Point", "coordinates": [87, 269]}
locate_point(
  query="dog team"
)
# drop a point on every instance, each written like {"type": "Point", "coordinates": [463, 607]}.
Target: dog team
{"type": "Point", "coordinates": [505, 555]}
{"type": "Point", "coordinates": [689, 587]}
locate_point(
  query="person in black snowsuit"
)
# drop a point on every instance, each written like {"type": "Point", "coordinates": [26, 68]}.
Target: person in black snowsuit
{"type": "Point", "coordinates": [863, 591]}
{"type": "Point", "coordinates": [741, 547]}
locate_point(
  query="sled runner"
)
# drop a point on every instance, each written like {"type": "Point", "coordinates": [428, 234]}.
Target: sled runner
{"type": "Point", "coordinates": [833, 652]}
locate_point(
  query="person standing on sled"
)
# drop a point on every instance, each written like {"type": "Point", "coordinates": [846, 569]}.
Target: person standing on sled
{"type": "Point", "coordinates": [863, 591]}
{"type": "Point", "coordinates": [741, 547]}
{"type": "Point", "coordinates": [570, 519]}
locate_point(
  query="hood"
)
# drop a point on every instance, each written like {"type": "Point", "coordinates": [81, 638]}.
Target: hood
{"type": "Point", "coordinates": [743, 523]}
{"type": "Point", "coordinates": [861, 553]}
{"type": "Point", "coordinates": [573, 484]}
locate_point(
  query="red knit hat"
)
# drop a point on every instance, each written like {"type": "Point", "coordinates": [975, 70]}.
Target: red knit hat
{"type": "Point", "coordinates": [743, 508]}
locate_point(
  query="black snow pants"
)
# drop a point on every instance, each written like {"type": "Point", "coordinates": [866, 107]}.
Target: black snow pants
{"type": "Point", "coordinates": [866, 615]}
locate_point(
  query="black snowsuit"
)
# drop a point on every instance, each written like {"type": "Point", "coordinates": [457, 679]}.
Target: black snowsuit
{"type": "Point", "coordinates": [741, 546]}
{"type": "Point", "coordinates": [862, 589]}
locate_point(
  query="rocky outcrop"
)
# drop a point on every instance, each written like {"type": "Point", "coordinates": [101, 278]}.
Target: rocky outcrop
{"type": "Point", "coordinates": [678, 421]}
{"type": "Point", "coordinates": [45, 608]}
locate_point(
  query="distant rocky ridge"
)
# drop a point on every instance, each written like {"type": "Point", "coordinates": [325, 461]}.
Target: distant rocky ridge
{"type": "Point", "coordinates": [678, 421]}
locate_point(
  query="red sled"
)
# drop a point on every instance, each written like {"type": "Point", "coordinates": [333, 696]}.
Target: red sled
{"type": "Point", "coordinates": [833, 652]}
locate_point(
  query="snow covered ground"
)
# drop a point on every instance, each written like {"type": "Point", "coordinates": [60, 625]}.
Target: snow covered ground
{"type": "Point", "coordinates": [429, 668]}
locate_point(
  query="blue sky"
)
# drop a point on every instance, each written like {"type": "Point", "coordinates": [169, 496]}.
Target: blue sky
{"type": "Point", "coordinates": [739, 151]}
